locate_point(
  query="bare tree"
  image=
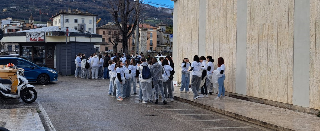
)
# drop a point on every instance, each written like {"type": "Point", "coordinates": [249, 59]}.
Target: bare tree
{"type": "Point", "coordinates": [125, 14]}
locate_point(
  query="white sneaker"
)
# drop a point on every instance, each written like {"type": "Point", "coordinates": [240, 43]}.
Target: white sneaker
{"type": "Point", "coordinates": [144, 102]}
{"type": "Point", "coordinates": [207, 96]}
{"type": "Point", "coordinates": [217, 98]}
{"type": "Point", "coordinates": [195, 98]}
{"type": "Point", "coordinates": [172, 99]}
{"type": "Point", "coordinates": [200, 96]}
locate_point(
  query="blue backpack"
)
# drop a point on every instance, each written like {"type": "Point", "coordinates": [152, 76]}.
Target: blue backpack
{"type": "Point", "coordinates": [146, 74]}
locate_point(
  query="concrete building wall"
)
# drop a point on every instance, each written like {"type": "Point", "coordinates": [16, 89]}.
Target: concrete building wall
{"type": "Point", "coordinates": [271, 48]}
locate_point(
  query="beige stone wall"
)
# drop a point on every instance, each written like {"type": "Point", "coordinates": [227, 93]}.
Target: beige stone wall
{"type": "Point", "coordinates": [221, 34]}
{"type": "Point", "coordinates": [315, 54]}
{"type": "Point", "coordinates": [188, 28]}
{"type": "Point", "coordinates": [270, 49]}
{"type": "Point", "coordinates": [270, 44]}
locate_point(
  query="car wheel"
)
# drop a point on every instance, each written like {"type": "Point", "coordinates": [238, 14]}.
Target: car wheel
{"type": "Point", "coordinates": [43, 79]}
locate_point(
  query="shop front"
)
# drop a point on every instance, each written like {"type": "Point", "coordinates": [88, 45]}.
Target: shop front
{"type": "Point", "coordinates": [50, 47]}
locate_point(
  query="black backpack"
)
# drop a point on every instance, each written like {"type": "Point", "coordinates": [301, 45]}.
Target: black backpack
{"type": "Point", "coordinates": [87, 65]}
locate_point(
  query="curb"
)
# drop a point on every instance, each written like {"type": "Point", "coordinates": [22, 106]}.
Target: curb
{"type": "Point", "coordinates": [45, 119]}
{"type": "Point", "coordinates": [274, 103]}
{"type": "Point", "coordinates": [234, 115]}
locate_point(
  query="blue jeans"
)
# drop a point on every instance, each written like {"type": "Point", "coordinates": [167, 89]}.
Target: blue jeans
{"type": "Point", "coordinates": [106, 73]}
{"type": "Point", "coordinates": [221, 85]}
{"type": "Point", "coordinates": [134, 84]}
{"type": "Point", "coordinates": [140, 92]}
{"type": "Point", "coordinates": [119, 88]}
{"type": "Point", "coordinates": [78, 72]}
{"type": "Point", "coordinates": [127, 88]}
{"type": "Point", "coordinates": [185, 81]}
{"type": "Point", "coordinates": [111, 86]}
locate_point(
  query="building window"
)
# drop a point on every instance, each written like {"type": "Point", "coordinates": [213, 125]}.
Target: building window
{"type": "Point", "coordinates": [104, 33]}
{"type": "Point", "coordinates": [90, 21]}
{"type": "Point", "coordinates": [103, 39]}
{"type": "Point", "coordinates": [55, 22]}
{"type": "Point", "coordinates": [82, 20]}
{"type": "Point", "coordinates": [109, 33]}
{"type": "Point", "coordinates": [158, 42]}
{"type": "Point", "coordinates": [59, 21]}
{"type": "Point", "coordinates": [76, 27]}
{"type": "Point", "coordinates": [151, 43]}
{"type": "Point", "coordinates": [115, 32]}
{"type": "Point", "coordinates": [89, 29]}
{"type": "Point", "coordinates": [157, 36]}
{"type": "Point", "coordinates": [151, 35]}
{"type": "Point", "coordinates": [67, 21]}
{"type": "Point", "coordinates": [151, 48]}
{"type": "Point", "coordinates": [106, 48]}
{"type": "Point", "coordinates": [75, 20]}
{"type": "Point", "coordinates": [9, 48]}
{"type": "Point", "coordinates": [16, 47]}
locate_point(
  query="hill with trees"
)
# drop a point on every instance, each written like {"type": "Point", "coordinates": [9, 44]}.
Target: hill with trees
{"type": "Point", "coordinates": [22, 9]}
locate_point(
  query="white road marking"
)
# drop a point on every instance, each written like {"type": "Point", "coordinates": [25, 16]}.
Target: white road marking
{"type": "Point", "coordinates": [47, 120]}
{"type": "Point", "coordinates": [218, 128]}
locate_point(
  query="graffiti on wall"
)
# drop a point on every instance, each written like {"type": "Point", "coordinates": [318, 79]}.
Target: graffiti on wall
{"type": "Point", "coordinates": [35, 36]}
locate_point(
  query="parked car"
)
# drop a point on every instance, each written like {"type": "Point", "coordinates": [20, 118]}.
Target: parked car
{"type": "Point", "coordinates": [32, 72]}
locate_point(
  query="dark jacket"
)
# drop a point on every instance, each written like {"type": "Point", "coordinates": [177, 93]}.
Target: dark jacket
{"type": "Point", "coordinates": [106, 60]}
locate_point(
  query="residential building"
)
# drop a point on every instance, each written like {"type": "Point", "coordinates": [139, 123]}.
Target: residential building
{"type": "Point", "coordinates": [270, 49]}
{"type": "Point", "coordinates": [75, 19]}
{"type": "Point", "coordinates": [109, 33]}
{"type": "Point", "coordinates": [9, 25]}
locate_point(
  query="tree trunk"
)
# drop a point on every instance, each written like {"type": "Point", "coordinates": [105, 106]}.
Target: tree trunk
{"type": "Point", "coordinates": [125, 43]}
{"type": "Point", "coordinates": [115, 48]}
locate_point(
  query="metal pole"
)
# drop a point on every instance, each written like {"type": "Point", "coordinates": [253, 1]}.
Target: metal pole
{"type": "Point", "coordinates": [66, 51]}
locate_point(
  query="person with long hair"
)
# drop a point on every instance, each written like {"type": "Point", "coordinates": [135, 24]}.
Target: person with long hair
{"type": "Point", "coordinates": [167, 85]}
{"type": "Point", "coordinates": [170, 62]}
{"type": "Point", "coordinates": [133, 75]}
{"type": "Point", "coordinates": [185, 78]}
{"type": "Point", "coordinates": [196, 75]}
{"type": "Point", "coordinates": [210, 68]}
{"type": "Point", "coordinates": [127, 73]}
{"type": "Point", "coordinates": [120, 80]}
{"type": "Point", "coordinates": [112, 74]}
{"type": "Point", "coordinates": [156, 73]}
{"type": "Point", "coordinates": [204, 89]}
{"type": "Point", "coordinates": [101, 61]}
{"type": "Point", "coordinates": [221, 77]}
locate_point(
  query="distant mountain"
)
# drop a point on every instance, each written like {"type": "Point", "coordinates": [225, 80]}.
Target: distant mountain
{"type": "Point", "coordinates": [22, 9]}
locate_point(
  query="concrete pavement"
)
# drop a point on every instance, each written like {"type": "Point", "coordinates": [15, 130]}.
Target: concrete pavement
{"type": "Point", "coordinates": [17, 117]}
{"type": "Point", "coordinates": [264, 115]}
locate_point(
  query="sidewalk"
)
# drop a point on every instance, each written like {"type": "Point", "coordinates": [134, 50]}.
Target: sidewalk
{"type": "Point", "coordinates": [21, 119]}
{"type": "Point", "coordinates": [264, 115]}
